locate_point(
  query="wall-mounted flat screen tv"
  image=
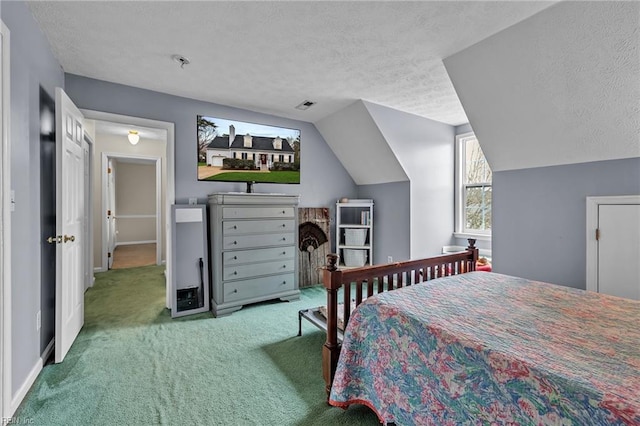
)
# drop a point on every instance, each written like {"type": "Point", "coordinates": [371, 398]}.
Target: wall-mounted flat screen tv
{"type": "Point", "coordinates": [237, 151]}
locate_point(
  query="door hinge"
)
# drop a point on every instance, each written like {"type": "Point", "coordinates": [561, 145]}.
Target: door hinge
{"type": "Point", "coordinates": [108, 212]}
{"type": "Point", "coordinates": [108, 169]}
{"type": "Point", "coordinates": [109, 254]}
{"type": "Point", "coordinates": [597, 234]}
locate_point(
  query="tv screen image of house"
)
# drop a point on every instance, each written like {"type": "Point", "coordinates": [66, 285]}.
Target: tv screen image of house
{"type": "Point", "coordinates": [237, 151]}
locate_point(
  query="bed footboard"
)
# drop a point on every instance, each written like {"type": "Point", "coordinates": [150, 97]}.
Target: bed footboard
{"type": "Point", "coordinates": [370, 280]}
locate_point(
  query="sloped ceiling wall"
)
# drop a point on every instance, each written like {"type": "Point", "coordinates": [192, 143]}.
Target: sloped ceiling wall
{"type": "Point", "coordinates": [425, 149]}
{"type": "Point", "coordinates": [354, 137]}
{"type": "Point", "coordinates": [561, 87]}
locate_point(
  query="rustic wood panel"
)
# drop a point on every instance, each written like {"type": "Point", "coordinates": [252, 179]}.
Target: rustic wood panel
{"type": "Point", "coordinates": [310, 258]}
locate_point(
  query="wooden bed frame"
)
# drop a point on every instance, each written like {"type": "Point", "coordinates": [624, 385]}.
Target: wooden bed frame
{"type": "Point", "coordinates": [374, 278]}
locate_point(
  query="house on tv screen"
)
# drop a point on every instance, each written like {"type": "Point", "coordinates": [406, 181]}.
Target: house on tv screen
{"type": "Point", "coordinates": [263, 151]}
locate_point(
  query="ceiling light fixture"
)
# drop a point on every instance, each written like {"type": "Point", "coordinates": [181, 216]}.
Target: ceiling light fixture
{"type": "Point", "coordinates": [181, 60]}
{"type": "Point", "coordinates": [133, 136]}
{"type": "Point", "coordinates": [305, 105]}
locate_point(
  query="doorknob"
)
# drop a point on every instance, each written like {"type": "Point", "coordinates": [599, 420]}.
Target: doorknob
{"type": "Point", "coordinates": [69, 238]}
{"type": "Point", "coordinates": [54, 239]}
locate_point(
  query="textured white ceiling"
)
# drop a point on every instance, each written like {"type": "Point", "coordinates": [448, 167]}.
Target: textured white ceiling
{"type": "Point", "coordinates": [270, 56]}
{"type": "Point", "coordinates": [118, 129]}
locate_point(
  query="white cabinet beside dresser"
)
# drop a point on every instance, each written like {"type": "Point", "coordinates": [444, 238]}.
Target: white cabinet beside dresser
{"type": "Point", "coordinates": [254, 253]}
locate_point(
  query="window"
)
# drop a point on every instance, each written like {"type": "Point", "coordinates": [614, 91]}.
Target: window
{"type": "Point", "coordinates": [473, 188]}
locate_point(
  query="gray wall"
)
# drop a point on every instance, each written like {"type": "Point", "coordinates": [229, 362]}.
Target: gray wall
{"type": "Point", "coordinates": [463, 128]}
{"type": "Point", "coordinates": [32, 65]}
{"type": "Point", "coordinates": [425, 149]}
{"type": "Point", "coordinates": [391, 218]}
{"type": "Point", "coordinates": [323, 179]}
{"type": "Point", "coordinates": [539, 217]}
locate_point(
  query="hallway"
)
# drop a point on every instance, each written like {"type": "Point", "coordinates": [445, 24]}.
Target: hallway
{"type": "Point", "coordinates": [131, 256]}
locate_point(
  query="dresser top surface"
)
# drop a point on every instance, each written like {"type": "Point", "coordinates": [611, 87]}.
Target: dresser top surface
{"type": "Point", "coordinates": [252, 198]}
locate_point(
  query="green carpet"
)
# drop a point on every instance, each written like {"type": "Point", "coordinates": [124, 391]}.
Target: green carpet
{"type": "Point", "coordinates": [134, 365]}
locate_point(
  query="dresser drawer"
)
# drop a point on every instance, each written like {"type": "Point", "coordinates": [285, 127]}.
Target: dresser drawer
{"type": "Point", "coordinates": [256, 213]}
{"type": "Point", "coordinates": [264, 240]}
{"type": "Point", "coordinates": [258, 255]}
{"type": "Point", "coordinates": [257, 287]}
{"type": "Point", "coordinates": [235, 227]}
{"type": "Point", "coordinates": [234, 272]}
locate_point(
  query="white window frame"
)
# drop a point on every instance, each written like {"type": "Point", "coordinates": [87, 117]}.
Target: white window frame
{"type": "Point", "coordinates": [460, 231]}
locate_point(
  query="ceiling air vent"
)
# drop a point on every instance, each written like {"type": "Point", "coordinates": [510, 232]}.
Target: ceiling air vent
{"type": "Point", "coordinates": [305, 105]}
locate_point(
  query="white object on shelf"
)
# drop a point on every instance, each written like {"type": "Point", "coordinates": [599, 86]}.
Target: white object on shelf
{"type": "Point", "coordinates": [354, 257]}
{"type": "Point", "coordinates": [354, 232]}
{"type": "Point", "coordinates": [355, 236]}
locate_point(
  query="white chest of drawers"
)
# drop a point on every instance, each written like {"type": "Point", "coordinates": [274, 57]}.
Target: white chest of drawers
{"type": "Point", "coordinates": [254, 254]}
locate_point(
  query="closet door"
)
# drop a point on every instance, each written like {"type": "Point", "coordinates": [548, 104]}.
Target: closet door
{"type": "Point", "coordinates": [619, 250]}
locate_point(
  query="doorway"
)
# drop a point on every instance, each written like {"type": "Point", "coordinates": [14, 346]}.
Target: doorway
{"type": "Point", "coordinates": [168, 175]}
{"type": "Point", "coordinates": [613, 245]}
{"type": "Point", "coordinates": [132, 188]}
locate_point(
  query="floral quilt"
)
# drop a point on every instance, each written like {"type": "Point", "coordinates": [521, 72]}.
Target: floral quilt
{"type": "Point", "coordinates": [489, 349]}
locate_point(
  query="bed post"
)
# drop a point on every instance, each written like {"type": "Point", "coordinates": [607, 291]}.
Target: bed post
{"type": "Point", "coordinates": [332, 280]}
{"type": "Point", "coordinates": [472, 248]}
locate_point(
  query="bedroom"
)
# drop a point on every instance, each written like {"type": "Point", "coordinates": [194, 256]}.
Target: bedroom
{"type": "Point", "coordinates": [609, 170]}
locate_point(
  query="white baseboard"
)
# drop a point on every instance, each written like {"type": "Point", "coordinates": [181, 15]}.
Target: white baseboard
{"type": "Point", "coordinates": [47, 351]}
{"type": "Point", "coordinates": [97, 269]}
{"type": "Point", "coordinates": [130, 243]}
{"type": "Point", "coordinates": [31, 378]}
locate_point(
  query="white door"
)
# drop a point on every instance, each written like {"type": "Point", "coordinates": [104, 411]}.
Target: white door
{"type": "Point", "coordinates": [619, 250]}
{"type": "Point", "coordinates": [69, 220]}
{"type": "Point", "coordinates": [111, 213]}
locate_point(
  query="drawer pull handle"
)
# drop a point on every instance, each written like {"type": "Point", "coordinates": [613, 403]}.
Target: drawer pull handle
{"type": "Point", "coordinates": [235, 242]}
{"type": "Point", "coordinates": [235, 258]}
{"type": "Point", "coordinates": [235, 273]}
{"type": "Point", "coordinates": [235, 291]}
{"type": "Point", "coordinates": [284, 225]}
{"type": "Point", "coordinates": [284, 266]}
{"type": "Point", "coordinates": [284, 253]}
{"type": "Point", "coordinates": [235, 227]}
{"type": "Point", "coordinates": [284, 282]}
{"type": "Point", "coordinates": [284, 238]}
{"type": "Point", "coordinates": [283, 212]}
